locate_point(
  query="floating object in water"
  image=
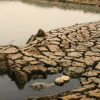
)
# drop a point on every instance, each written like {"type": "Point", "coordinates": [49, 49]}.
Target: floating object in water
{"type": "Point", "coordinates": [40, 85]}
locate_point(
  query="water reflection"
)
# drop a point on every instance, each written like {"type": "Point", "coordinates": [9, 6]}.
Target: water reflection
{"type": "Point", "coordinates": [20, 86]}
{"type": "Point", "coordinates": [18, 20]}
{"type": "Point", "coordinates": [9, 90]}
{"type": "Point", "coordinates": [2, 75]}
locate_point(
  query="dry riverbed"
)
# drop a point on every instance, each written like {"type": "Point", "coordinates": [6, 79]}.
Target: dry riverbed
{"type": "Point", "coordinates": [73, 50]}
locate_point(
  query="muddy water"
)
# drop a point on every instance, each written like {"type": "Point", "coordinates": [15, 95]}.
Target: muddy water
{"type": "Point", "coordinates": [18, 20]}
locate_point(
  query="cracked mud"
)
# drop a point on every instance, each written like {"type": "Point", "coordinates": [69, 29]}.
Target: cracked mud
{"type": "Point", "coordinates": [73, 50]}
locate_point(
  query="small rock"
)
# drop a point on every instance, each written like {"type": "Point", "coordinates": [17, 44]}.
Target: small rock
{"type": "Point", "coordinates": [61, 80]}
{"type": "Point", "coordinates": [41, 33]}
{"type": "Point", "coordinates": [65, 78]}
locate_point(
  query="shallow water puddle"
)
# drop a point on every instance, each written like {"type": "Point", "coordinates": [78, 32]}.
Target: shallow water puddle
{"type": "Point", "coordinates": [10, 91]}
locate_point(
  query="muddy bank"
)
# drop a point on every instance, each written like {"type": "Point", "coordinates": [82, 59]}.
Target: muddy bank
{"type": "Point", "coordinates": [64, 5]}
{"type": "Point", "coordinates": [84, 2]}
{"type": "Point", "coordinates": [73, 50]}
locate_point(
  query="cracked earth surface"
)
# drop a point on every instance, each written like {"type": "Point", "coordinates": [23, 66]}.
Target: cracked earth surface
{"type": "Point", "coordinates": [73, 50]}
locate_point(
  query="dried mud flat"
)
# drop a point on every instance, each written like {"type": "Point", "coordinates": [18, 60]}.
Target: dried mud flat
{"type": "Point", "coordinates": [73, 50]}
